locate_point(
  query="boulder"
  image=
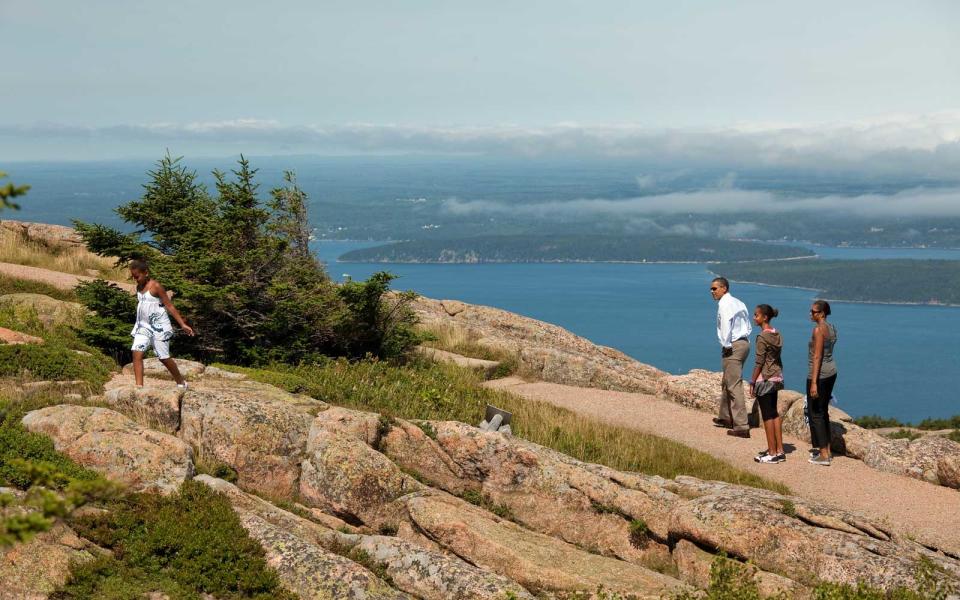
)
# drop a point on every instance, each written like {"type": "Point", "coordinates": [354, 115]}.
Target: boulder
{"type": "Point", "coordinates": [152, 367]}
{"type": "Point", "coordinates": [487, 367]}
{"type": "Point", "coordinates": [545, 351]}
{"type": "Point", "coordinates": [796, 538]}
{"type": "Point", "coordinates": [112, 444]}
{"type": "Point", "coordinates": [410, 568]}
{"type": "Point", "coordinates": [343, 475]}
{"type": "Point", "coordinates": [33, 570]}
{"type": "Point", "coordinates": [52, 236]}
{"type": "Point", "coordinates": [257, 429]}
{"type": "Point", "coordinates": [694, 567]}
{"type": "Point", "coordinates": [9, 336]}
{"type": "Point", "coordinates": [154, 406]}
{"type": "Point", "coordinates": [49, 310]}
{"type": "Point", "coordinates": [536, 561]}
{"type": "Point", "coordinates": [538, 488]}
{"type": "Point", "coordinates": [291, 546]}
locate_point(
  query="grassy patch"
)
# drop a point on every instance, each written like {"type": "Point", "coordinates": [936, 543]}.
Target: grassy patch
{"type": "Point", "coordinates": [12, 285]}
{"type": "Point", "coordinates": [428, 391]}
{"type": "Point", "coordinates": [459, 342]}
{"type": "Point", "coordinates": [480, 499]}
{"type": "Point", "coordinates": [62, 356]}
{"type": "Point", "coordinates": [788, 508]}
{"type": "Point", "coordinates": [904, 434]}
{"type": "Point", "coordinates": [954, 435]}
{"type": "Point", "coordinates": [877, 422]}
{"type": "Point", "coordinates": [185, 544]}
{"type": "Point", "coordinates": [75, 260]}
{"type": "Point", "coordinates": [947, 423]}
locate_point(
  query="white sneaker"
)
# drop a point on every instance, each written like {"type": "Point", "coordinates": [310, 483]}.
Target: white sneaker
{"type": "Point", "coordinates": [183, 386]}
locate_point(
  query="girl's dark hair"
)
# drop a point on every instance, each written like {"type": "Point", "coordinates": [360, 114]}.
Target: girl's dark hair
{"type": "Point", "coordinates": [823, 306]}
{"type": "Point", "coordinates": [140, 265]}
{"type": "Point", "coordinates": [768, 311]}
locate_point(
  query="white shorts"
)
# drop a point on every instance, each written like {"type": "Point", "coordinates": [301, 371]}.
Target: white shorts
{"type": "Point", "coordinates": [142, 343]}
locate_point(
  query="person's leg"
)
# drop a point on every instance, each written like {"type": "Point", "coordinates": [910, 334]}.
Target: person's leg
{"type": "Point", "coordinates": [819, 424]}
{"type": "Point", "coordinates": [778, 434]}
{"type": "Point", "coordinates": [825, 390]}
{"type": "Point", "coordinates": [733, 376]}
{"type": "Point", "coordinates": [138, 367]}
{"type": "Point", "coordinates": [162, 348]}
{"type": "Point", "coordinates": [768, 411]}
{"type": "Point", "coordinates": [723, 414]}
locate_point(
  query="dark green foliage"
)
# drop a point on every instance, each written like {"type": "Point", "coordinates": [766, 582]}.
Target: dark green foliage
{"type": "Point", "coordinates": [917, 281]}
{"type": "Point", "coordinates": [576, 248]}
{"type": "Point", "coordinates": [114, 310]}
{"type": "Point", "coordinates": [51, 361]}
{"type": "Point", "coordinates": [188, 543]}
{"type": "Point", "coordinates": [243, 273]}
{"type": "Point", "coordinates": [639, 533]}
{"type": "Point", "coordinates": [948, 423]}
{"type": "Point", "coordinates": [904, 434]}
{"type": "Point", "coordinates": [954, 435]}
{"type": "Point", "coordinates": [877, 422]}
{"type": "Point", "coordinates": [55, 485]}
{"type": "Point", "coordinates": [8, 191]}
{"type": "Point", "coordinates": [12, 285]}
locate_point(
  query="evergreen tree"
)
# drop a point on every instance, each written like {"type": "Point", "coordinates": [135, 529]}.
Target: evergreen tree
{"type": "Point", "coordinates": [242, 271]}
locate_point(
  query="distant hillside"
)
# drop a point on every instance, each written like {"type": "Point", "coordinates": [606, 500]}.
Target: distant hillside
{"type": "Point", "coordinates": [573, 248]}
{"type": "Point", "coordinates": [907, 281]}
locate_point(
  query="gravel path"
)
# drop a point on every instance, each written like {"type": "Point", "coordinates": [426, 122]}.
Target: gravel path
{"type": "Point", "coordinates": [63, 281]}
{"type": "Point", "coordinates": [929, 513]}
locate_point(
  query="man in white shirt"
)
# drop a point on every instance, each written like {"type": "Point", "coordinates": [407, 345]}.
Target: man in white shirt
{"type": "Point", "coordinates": [733, 331]}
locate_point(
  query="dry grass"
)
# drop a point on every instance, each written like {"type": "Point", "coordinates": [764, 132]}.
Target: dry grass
{"type": "Point", "coordinates": [458, 341]}
{"type": "Point", "coordinates": [441, 392]}
{"type": "Point", "coordinates": [76, 261]}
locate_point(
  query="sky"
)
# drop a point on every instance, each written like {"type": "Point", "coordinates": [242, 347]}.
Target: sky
{"type": "Point", "coordinates": [871, 84]}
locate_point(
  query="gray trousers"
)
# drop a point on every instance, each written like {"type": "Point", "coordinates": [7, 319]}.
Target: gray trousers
{"type": "Point", "coordinates": [733, 408]}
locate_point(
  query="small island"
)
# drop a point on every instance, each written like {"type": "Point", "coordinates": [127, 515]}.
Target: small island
{"type": "Point", "coordinates": [575, 248]}
{"type": "Point", "coordinates": [895, 281]}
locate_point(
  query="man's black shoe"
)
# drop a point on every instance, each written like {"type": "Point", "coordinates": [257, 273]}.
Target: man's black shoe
{"type": "Point", "coordinates": [742, 433]}
{"type": "Point", "coordinates": [717, 422]}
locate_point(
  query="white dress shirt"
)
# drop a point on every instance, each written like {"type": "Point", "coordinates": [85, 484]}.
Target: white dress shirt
{"type": "Point", "coordinates": [733, 320]}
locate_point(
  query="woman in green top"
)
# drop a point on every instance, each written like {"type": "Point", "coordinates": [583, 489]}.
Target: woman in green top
{"type": "Point", "coordinates": [822, 375]}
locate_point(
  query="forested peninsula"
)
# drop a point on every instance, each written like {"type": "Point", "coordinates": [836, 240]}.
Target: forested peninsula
{"type": "Point", "coordinates": [894, 281]}
{"type": "Point", "coordinates": [574, 248]}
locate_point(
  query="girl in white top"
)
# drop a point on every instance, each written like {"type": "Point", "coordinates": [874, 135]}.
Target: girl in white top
{"type": "Point", "coordinates": [152, 326]}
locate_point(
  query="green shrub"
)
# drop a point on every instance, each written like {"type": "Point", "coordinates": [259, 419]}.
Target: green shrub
{"type": "Point", "coordinates": [13, 285]}
{"type": "Point", "coordinates": [189, 543]}
{"type": "Point", "coordinates": [108, 327]}
{"type": "Point", "coordinates": [904, 434]}
{"type": "Point", "coordinates": [877, 422]}
{"type": "Point", "coordinates": [947, 423]}
{"type": "Point", "coordinates": [954, 435]}
{"type": "Point", "coordinates": [53, 362]}
{"type": "Point", "coordinates": [244, 275]}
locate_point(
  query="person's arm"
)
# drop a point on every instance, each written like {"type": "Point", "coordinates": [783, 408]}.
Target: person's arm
{"type": "Point", "coordinates": [818, 338]}
{"type": "Point", "coordinates": [158, 291]}
{"type": "Point", "coordinates": [758, 365]}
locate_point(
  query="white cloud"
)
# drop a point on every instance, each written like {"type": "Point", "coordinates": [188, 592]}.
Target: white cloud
{"type": "Point", "coordinates": [923, 202]}
{"type": "Point", "coordinates": [927, 145]}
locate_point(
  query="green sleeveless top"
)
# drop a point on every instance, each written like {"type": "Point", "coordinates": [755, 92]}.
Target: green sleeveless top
{"type": "Point", "coordinates": [828, 366]}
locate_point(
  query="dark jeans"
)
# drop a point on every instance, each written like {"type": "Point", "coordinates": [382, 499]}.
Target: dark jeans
{"type": "Point", "coordinates": [819, 412]}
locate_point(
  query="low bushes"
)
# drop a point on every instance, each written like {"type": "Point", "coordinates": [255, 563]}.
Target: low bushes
{"type": "Point", "coordinates": [12, 285]}
{"type": "Point", "coordinates": [430, 391]}
{"type": "Point", "coordinates": [185, 545]}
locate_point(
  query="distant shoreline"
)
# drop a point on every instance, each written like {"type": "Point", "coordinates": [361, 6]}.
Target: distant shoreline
{"type": "Point", "coordinates": [562, 262]}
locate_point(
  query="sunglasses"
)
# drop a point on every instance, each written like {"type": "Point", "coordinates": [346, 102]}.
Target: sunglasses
{"type": "Point", "coordinates": [713, 289]}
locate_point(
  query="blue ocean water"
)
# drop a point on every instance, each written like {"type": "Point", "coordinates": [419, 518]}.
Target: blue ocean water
{"type": "Point", "coordinates": [894, 360]}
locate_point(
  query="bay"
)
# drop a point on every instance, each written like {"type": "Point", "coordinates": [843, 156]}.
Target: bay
{"type": "Point", "coordinates": [894, 360]}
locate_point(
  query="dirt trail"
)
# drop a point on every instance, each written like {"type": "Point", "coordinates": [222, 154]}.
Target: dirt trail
{"type": "Point", "coordinates": [929, 513]}
{"type": "Point", "coordinates": [63, 281]}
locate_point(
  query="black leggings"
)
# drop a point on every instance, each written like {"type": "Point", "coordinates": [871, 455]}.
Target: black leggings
{"type": "Point", "coordinates": [819, 411]}
{"type": "Point", "coordinates": [768, 405]}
